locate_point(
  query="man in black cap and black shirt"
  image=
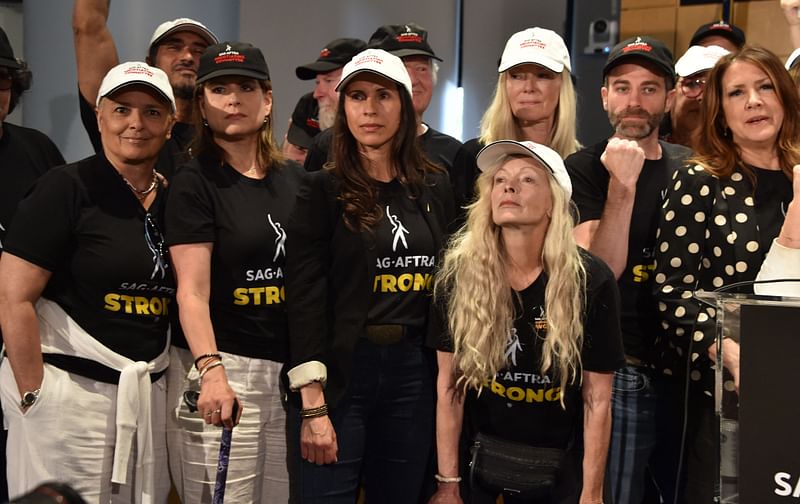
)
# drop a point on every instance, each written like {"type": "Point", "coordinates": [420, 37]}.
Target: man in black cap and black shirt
{"type": "Point", "coordinates": [303, 127]}
{"type": "Point", "coordinates": [617, 186]}
{"type": "Point", "coordinates": [409, 42]}
{"type": "Point", "coordinates": [175, 47]}
{"type": "Point", "coordinates": [326, 71]}
{"type": "Point", "coordinates": [25, 155]}
{"type": "Point", "coordinates": [719, 33]}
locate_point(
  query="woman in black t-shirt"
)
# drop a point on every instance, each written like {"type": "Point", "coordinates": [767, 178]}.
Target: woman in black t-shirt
{"type": "Point", "coordinates": [85, 293]}
{"type": "Point", "coordinates": [719, 218]}
{"type": "Point", "coordinates": [226, 218]}
{"type": "Point", "coordinates": [365, 236]}
{"type": "Point", "coordinates": [531, 335]}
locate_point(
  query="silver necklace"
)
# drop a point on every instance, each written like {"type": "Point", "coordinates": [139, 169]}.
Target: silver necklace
{"type": "Point", "coordinates": [142, 194]}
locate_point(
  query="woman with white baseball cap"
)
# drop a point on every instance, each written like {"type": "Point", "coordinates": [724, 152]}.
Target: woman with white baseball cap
{"type": "Point", "coordinates": [365, 235]}
{"type": "Point", "coordinates": [85, 293]}
{"type": "Point", "coordinates": [530, 339]}
{"type": "Point", "coordinates": [534, 99]}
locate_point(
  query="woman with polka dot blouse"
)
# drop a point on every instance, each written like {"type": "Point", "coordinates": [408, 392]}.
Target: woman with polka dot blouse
{"type": "Point", "coordinates": [719, 217]}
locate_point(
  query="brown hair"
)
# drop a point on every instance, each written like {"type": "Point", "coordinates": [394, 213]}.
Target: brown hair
{"type": "Point", "coordinates": [715, 149]}
{"type": "Point", "coordinates": [204, 144]}
{"type": "Point", "coordinates": [359, 192]}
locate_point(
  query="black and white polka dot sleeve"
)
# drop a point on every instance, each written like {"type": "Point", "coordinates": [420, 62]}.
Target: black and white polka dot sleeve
{"type": "Point", "coordinates": [682, 262]}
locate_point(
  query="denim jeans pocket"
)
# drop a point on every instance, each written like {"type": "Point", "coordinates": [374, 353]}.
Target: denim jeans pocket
{"type": "Point", "coordinates": [630, 379]}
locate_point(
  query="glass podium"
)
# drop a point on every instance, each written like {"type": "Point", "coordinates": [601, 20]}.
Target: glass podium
{"type": "Point", "coordinates": [759, 419]}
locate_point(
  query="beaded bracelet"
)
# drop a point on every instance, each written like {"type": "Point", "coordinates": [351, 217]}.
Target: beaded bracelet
{"type": "Point", "coordinates": [447, 479]}
{"type": "Point", "coordinates": [320, 411]}
{"type": "Point", "coordinates": [206, 356]}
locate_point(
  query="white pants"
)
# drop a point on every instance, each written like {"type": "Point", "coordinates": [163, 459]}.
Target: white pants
{"type": "Point", "coordinates": [68, 435]}
{"type": "Point", "coordinates": [257, 471]}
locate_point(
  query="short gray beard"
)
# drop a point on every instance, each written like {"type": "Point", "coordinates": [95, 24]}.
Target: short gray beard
{"type": "Point", "coordinates": [327, 116]}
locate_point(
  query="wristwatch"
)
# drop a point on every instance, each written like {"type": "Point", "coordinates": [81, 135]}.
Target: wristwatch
{"type": "Point", "coordinates": [28, 398]}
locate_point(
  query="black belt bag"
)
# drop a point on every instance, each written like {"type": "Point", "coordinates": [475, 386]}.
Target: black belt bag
{"type": "Point", "coordinates": [505, 466]}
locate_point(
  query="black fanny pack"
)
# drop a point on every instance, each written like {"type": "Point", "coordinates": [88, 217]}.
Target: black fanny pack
{"type": "Point", "coordinates": [505, 466]}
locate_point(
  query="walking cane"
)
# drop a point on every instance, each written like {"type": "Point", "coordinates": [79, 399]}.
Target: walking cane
{"type": "Point", "coordinates": [190, 398]}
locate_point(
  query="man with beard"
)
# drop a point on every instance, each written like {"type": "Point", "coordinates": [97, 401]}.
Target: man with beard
{"type": "Point", "coordinates": [692, 69]}
{"type": "Point", "coordinates": [326, 72]}
{"type": "Point", "coordinates": [617, 186]}
{"type": "Point", "coordinates": [175, 48]}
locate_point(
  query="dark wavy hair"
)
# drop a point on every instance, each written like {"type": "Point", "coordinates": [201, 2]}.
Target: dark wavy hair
{"type": "Point", "coordinates": [21, 80]}
{"type": "Point", "coordinates": [205, 146]}
{"type": "Point", "coordinates": [359, 191]}
{"type": "Point", "coordinates": [715, 149]}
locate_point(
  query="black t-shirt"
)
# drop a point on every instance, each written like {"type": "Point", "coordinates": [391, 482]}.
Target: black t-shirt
{"type": "Point", "coordinates": [25, 155]}
{"type": "Point", "coordinates": [105, 251]}
{"type": "Point", "coordinates": [245, 220]}
{"type": "Point", "coordinates": [640, 320]}
{"type": "Point", "coordinates": [772, 195]}
{"type": "Point", "coordinates": [174, 152]}
{"type": "Point", "coordinates": [472, 148]}
{"type": "Point", "coordinates": [523, 405]}
{"type": "Point", "coordinates": [405, 257]}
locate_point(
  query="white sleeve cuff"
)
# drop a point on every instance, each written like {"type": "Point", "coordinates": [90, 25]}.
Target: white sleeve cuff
{"type": "Point", "coordinates": [307, 372]}
{"type": "Point", "coordinates": [780, 262]}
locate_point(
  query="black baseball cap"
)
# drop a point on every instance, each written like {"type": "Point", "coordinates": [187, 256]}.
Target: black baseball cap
{"type": "Point", "coordinates": [232, 58]}
{"type": "Point", "coordinates": [7, 58]}
{"type": "Point", "coordinates": [334, 55]}
{"type": "Point", "coordinates": [305, 122]}
{"type": "Point", "coordinates": [641, 47]}
{"type": "Point", "coordinates": [721, 28]}
{"type": "Point", "coordinates": [402, 40]}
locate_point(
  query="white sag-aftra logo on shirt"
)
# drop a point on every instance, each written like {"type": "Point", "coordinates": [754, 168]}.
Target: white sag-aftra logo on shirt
{"type": "Point", "coordinates": [280, 240]}
{"type": "Point", "coordinates": [398, 230]}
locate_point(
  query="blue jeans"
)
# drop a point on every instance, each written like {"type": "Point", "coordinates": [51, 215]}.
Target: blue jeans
{"type": "Point", "coordinates": [645, 437]}
{"type": "Point", "coordinates": [384, 429]}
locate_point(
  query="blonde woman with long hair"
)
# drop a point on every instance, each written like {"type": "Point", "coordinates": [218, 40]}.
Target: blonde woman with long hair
{"type": "Point", "coordinates": [534, 99]}
{"type": "Point", "coordinates": [539, 339]}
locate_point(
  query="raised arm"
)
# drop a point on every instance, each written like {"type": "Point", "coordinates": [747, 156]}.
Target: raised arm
{"type": "Point", "coordinates": [607, 237]}
{"type": "Point", "coordinates": [783, 259]}
{"type": "Point", "coordinates": [21, 284]}
{"type": "Point", "coordinates": [791, 9]}
{"type": "Point", "coordinates": [95, 52]}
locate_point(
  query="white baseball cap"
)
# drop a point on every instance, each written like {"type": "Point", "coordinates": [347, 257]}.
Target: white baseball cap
{"type": "Point", "coordinates": [536, 45]}
{"type": "Point", "coordinates": [183, 24]}
{"type": "Point", "coordinates": [136, 72]}
{"type": "Point", "coordinates": [489, 156]}
{"type": "Point", "coordinates": [792, 59]}
{"type": "Point", "coordinates": [699, 59]}
{"type": "Point", "coordinates": [379, 62]}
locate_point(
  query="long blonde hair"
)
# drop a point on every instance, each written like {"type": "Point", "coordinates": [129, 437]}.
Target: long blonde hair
{"type": "Point", "coordinates": [475, 262]}
{"type": "Point", "coordinates": [499, 123]}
